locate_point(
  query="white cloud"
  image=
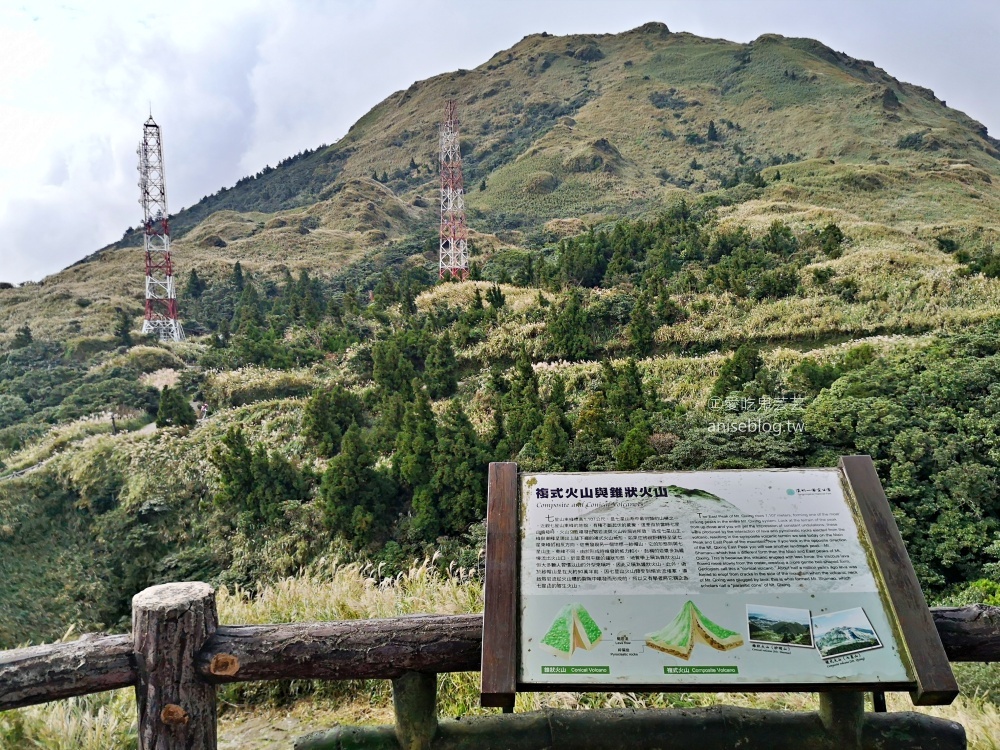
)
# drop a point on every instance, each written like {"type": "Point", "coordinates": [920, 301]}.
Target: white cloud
{"type": "Point", "coordinates": [237, 85]}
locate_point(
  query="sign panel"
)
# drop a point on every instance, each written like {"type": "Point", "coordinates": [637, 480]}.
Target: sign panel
{"type": "Point", "coordinates": [712, 578]}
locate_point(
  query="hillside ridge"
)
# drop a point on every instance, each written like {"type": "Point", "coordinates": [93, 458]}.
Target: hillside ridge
{"type": "Point", "coordinates": [667, 232]}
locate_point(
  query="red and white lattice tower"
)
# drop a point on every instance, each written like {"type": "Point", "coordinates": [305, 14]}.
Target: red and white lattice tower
{"type": "Point", "coordinates": [161, 299]}
{"type": "Point", "coordinates": [454, 232]}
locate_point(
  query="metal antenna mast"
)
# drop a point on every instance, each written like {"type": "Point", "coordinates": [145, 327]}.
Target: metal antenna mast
{"type": "Point", "coordinates": [161, 299]}
{"type": "Point", "coordinates": [454, 232]}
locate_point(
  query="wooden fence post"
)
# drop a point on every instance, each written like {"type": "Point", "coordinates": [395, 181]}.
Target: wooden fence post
{"type": "Point", "coordinates": [170, 625]}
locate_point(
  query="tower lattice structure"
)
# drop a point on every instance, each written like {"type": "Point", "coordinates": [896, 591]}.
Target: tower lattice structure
{"type": "Point", "coordinates": [161, 299]}
{"type": "Point", "coordinates": [454, 245]}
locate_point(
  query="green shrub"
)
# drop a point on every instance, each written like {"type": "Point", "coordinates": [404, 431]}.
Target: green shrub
{"type": "Point", "coordinates": [913, 141]}
{"type": "Point", "coordinates": [13, 409]}
{"type": "Point", "coordinates": [174, 410]}
{"type": "Point", "coordinates": [831, 238]}
{"type": "Point", "coordinates": [823, 275]}
{"type": "Point", "coordinates": [743, 367]}
{"type": "Point", "coordinates": [668, 100]}
{"type": "Point", "coordinates": [85, 347]}
{"type": "Point", "coordinates": [946, 244]}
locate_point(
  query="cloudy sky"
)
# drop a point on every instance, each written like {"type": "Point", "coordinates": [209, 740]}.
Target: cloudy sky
{"type": "Point", "coordinates": [239, 85]}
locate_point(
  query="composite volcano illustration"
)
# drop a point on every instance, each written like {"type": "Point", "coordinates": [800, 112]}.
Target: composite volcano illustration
{"type": "Point", "coordinates": [690, 626]}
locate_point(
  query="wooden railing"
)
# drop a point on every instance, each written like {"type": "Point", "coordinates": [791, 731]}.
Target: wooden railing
{"type": "Point", "coordinates": [177, 654]}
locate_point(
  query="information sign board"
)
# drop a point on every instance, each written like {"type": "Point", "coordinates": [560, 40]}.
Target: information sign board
{"type": "Point", "coordinates": [736, 579]}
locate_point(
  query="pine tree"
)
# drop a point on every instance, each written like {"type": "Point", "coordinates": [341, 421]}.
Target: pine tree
{"type": "Point", "coordinates": [335, 309]}
{"type": "Point", "coordinates": [441, 368]}
{"type": "Point", "coordinates": [620, 267]}
{"type": "Point", "coordinates": [195, 287]}
{"type": "Point", "coordinates": [415, 443]}
{"type": "Point", "coordinates": [624, 394]}
{"type": "Point", "coordinates": [391, 371]}
{"type": "Point", "coordinates": [667, 311]}
{"type": "Point", "coordinates": [743, 367]}
{"type": "Point", "coordinates": [557, 393]}
{"type": "Point", "coordinates": [222, 340]}
{"type": "Point", "coordinates": [234, 449]}
{"type": "Point", "coordinates": [385, 292]}
{"type": "Point", "coordinates": [327, 415]}
{"type": "Point", "coordinates": [174, 410]}
{"type": "Point", "coordinates": [288, 305]}
{"type": "Point", "coordinates": [232, 458]}
{"type": "Point", "coordinates": [237, 277]}
{"type": "Point", "coordinates": [459, 479]}
{"type": "Point", "coordinates": [641, 327]}
{"type": "Point", "coordinates": [831, 239]}
{"type": "Point", "coordinates": [568, 329]}
{"type": "Point", "coordinates": [407, 301]}
{"type": "Point", "coordinates": [426, 523]}
{"type": "Point", "coordinates": [636, 447]}
{"type": "Point", "coordinates": [630, 385]}
{"type": "Point", "coordinates": [249, 311]}
{"type": "Point", "coordinates": [522, 404]}
{"type": "Point", "coordinates": [355, 497]}
{"type": "Point", "coordinates": [592, 423]}
{"type": "Point", "coordinates": [495, 296]}
{"type": "Point", "coordinates": [553, 438]}
{"type": "Point", "coordinates": [498, 434]}
{"type": "Point", "coordinates": [310, 297]}
{"type": "Point", "coordinates": [389, 423]}
{"type": "Point", "coordinates": [350, 300]}
{"type": "Point", "coordinates": [123, 328]}
{"type": "Point", "coordinates": [275, 482]}
{"type": "Point", "coordinates": [713, 134]}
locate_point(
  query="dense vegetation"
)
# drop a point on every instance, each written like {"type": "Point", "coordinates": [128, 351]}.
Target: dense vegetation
{"type": "Point", "coordinates": [384, 444]}
{"type": "Point", "coordinates": [686, 254]}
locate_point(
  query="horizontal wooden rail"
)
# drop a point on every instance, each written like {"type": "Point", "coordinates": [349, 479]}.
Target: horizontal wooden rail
{"type": "Point", "coordinates": [345, 650]}
{"type": "Point", "coordinates": [91, 664]}
{"type": "Point", "coordinates": [969, 633]}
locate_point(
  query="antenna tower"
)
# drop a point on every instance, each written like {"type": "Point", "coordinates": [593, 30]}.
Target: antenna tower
{"type": "Point", "coordinates": [161, 300]}
{"type": "Point", "coordinates": [454, 232]}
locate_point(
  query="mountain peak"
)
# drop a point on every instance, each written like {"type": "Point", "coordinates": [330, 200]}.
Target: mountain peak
{"type": "Point", "coordinates": [655, 28]}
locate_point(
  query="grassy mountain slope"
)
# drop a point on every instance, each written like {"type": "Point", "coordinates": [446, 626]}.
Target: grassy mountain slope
{"type": "Point", "coordinates": [642, 205]}
{"type": "Point", "coordinates": [574, 126]}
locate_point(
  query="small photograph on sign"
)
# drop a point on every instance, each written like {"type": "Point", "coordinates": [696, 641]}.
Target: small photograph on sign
{"type": "Point", "coordinates": [846, 632]}
{"type": "Point", "coordinates": [690, 626]}
{"type": "Point", "coordinates": [785, 625]}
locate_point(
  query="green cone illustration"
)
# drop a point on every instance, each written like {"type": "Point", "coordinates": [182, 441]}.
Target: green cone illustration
{"type": "Point", "coordinates": [571, 629]}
